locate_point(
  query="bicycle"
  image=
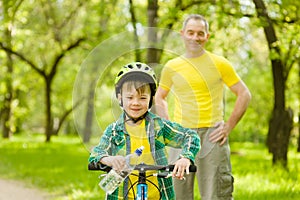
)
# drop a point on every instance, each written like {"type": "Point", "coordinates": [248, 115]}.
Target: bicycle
{"type": "Point", "coordinates": [164, 171]}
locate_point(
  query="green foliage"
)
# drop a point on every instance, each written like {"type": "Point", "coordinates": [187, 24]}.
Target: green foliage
{"type": "Point", "coordinates": [41, 29]}
{"type": "Point", "coordinates": [60, 168]}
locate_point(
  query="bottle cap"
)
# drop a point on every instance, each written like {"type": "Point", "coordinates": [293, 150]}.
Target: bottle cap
{"type": "Point", "coordinates": [139, 151]}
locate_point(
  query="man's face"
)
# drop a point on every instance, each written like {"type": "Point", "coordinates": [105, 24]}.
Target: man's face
{"type": "Point", "coordinates": [135, 101]}
{"type": "Point", "coordinates": [194, 36]}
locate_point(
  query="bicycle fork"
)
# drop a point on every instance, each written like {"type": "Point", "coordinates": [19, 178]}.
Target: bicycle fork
{"type": "Point", "coordinates": [142, 188]}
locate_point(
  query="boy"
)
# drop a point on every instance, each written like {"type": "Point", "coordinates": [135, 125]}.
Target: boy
{"type": "Point", "coordinates": [135, 87]}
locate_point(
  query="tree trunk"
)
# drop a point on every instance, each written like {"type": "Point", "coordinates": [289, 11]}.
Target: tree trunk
{"type": "Point", "coordinates": [49, 121]}
{"type": "Point", "coordinates": [281, 121]}
{"type": "Point", "coordinates": [6, 111]}
{"type": "Point", "coordinates": [152, 34]}
{"type": "Point", "coordinates": [137, 51]}
{"type": "Point", "coordinates": [280, 127]}
{"type": "Point", "coordinates": [298, 149]}
{"type": "Point", "coordinates": [89, 114]}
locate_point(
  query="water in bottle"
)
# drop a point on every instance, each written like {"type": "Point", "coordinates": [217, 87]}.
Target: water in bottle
{"type": "Point", "coordinates": [113, 179]}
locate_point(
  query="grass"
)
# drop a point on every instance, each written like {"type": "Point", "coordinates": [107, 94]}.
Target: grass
{"type": "Point", "coordinates": [60, 168]}
{"type": "Point", "coordinates": [256, 178]}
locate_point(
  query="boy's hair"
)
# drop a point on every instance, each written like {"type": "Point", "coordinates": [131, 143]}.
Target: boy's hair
{"type": "Point", "coordinates": [139, 86]}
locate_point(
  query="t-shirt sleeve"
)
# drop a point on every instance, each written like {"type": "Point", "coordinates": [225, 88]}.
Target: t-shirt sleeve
{"type": "Point", "coordinates": [228, 73]}
{"type": "Point", "coordinates": [165, 81]}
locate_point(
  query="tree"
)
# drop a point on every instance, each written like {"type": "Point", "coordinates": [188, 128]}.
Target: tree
{"type": "Point", "coordinates": [281, 122]}
{"type": "Point", "coordinates": [47, 68]}
{"type": "Point", "coordinates": [9, 11]}
{"type": "Point", "coordinates": [103, 17]}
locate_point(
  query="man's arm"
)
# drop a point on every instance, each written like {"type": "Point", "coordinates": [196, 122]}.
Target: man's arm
{"type": "Point", "coordinates": [161, 105]}
{"type": "Point", "coordinates": [243, 98]}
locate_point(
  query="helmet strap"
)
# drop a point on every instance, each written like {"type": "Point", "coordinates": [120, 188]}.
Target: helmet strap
{"type": "Point", "coordinates": [134, 120]}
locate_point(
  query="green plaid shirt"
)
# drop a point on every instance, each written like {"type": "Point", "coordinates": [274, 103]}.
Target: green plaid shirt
{"type": "Point", "coordinates": [161, 133]}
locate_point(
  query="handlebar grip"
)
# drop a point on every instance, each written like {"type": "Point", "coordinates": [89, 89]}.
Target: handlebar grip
{"type": "Point", "coordinates": [93, 166]}
{"type": "Point", "coordinates": [192, 168]}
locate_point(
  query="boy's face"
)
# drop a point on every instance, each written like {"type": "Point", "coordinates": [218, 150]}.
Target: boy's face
{"type": "Point", "coordinates": [135, 101]}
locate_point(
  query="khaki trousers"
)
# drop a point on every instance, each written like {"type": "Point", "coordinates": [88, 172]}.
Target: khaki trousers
{"type": "Point", "coordinates": [215, 181]}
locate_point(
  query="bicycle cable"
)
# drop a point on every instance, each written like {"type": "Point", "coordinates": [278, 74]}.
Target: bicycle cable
{"type": "Point", "coordinates": [136, 182]}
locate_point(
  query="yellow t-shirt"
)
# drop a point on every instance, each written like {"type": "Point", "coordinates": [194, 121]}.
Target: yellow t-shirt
{"type": "Point", "coordinates": [138, 137]}
{"type": "Point", "coordinates": [197, 87]}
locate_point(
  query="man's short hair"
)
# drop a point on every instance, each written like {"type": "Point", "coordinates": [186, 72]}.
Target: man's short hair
{"type": "Point", "coordinates": [195, 17]}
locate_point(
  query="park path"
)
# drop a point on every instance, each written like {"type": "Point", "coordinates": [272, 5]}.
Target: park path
{"type": "Point", "coordinates": [14, 190]}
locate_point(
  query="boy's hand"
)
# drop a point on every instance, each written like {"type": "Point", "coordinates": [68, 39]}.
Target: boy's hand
{"type": "Point", "coordinates": [116, 162]}
{"type": "Point", "coordinates": [180, 167]}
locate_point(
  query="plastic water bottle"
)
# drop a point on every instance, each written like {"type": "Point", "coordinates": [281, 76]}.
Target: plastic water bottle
{"type": "Point", "coordinates": [113, 179]}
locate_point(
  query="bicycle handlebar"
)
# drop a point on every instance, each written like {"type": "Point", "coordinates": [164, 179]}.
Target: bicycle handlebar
{"type": "Point", "coordinates": [140, 167]}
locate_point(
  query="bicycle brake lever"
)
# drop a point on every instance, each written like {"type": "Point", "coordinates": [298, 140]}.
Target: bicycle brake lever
{"type": "Point", "coordinates": [163, 175]}
{"type": "Point", "coordinates": [166, 175]}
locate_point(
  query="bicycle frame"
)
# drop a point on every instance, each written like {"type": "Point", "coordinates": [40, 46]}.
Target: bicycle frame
{"type": "Point", "coordinates": [142, 187]}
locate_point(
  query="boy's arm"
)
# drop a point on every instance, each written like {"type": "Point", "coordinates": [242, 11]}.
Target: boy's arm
{"type": "Point", "coordinates": [179, 137]}
{"type": "Point", "coordinates": [191, 145]}
{"type": "Point", "coordinates": [188, 140]}
{"type": "Point", "coordinates": [103, 148]}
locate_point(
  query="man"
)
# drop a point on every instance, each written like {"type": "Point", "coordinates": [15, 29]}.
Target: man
{"type": "Point", "coordinates": [197, 80]}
